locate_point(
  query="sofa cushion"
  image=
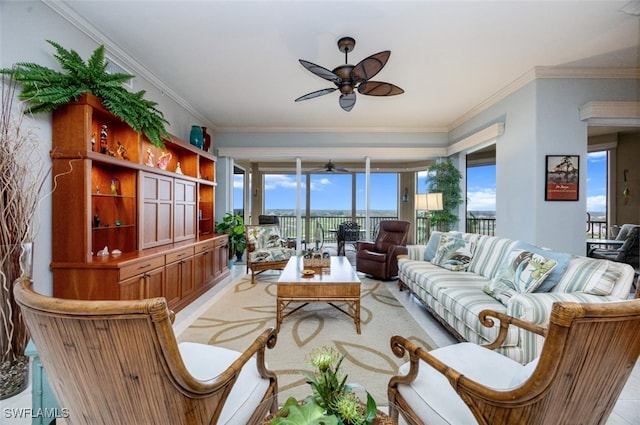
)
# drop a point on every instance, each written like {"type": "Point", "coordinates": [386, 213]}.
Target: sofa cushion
{"type": "Point", "coordinates": [453, 253]}
{"type": "Point", "coordinates": [462, 304]}
{"type": "Point", "coordinates": [522, 272]}
{"type": "Point", "coordinates": [560, 257]}
{"type": "Point", "coordinates": [432, 246]}
{"type": "Point", "coordinates": [206, 362]}
{"type": "Point", "coordinates": [271, 254]}
{"type": "Point", "coordinates": [488, 256]}
{"type": "Point", "coordinates": [589, 275]}
{"type": "Point", "coordinates": [264, 236]}
{"type": "Point", "coordinates": [433, 398]}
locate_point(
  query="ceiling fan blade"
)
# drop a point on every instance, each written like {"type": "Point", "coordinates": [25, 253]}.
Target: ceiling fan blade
{"type": "Point", "coordinates": [321, 71]}
{"type": "Point", "coordinates": [369, 67]}
{"type": "Point", "coordinates": [379, 88]}
{"type": "Point", "coordinates": [316, 94]}
{"type": "Point", "coordinates": [347, 101]}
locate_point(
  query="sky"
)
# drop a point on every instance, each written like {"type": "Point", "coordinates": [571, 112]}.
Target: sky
{"type": "Point", "coordinates": [333, 191]}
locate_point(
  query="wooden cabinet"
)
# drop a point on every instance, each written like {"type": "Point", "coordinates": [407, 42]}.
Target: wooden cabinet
{"type": "Point", "coordinates": [123, 226]}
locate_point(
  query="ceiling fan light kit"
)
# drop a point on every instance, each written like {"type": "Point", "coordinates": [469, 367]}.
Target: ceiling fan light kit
{"type": "Point", "coordinates": [349, 78]}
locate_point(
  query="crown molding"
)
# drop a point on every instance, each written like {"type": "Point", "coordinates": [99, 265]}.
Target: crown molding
{"type": "Point", "coordinates": [542, 72]}
{"type": "Point", "coordinates": [477, 140]}
{"type": "Point", "coordinates": [70, 15]}
{"type": "Point", "coordinates": [331, 130]}
{"type": "Point", "coordinates": [283, 153]}
{"type": "Point", "coordinates": [597, 110]}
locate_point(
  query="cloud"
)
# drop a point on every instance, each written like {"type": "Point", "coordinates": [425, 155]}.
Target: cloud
{"type": "Point", "coordinates": [481, 199]}
{"type": "Point", "coordinates": [277, 181]}
{"type": "Point", "coordinates": [597, 203]}
{"type": "Point", "coordinates": [597, 156]}
{"type": "Point", "coordinates": [287, 181]}
{"type": "Point", "coordinates": [238, 180]}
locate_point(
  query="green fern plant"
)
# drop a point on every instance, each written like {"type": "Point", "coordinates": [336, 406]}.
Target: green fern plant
{"type": "Point", "coordinates": [46, 89]}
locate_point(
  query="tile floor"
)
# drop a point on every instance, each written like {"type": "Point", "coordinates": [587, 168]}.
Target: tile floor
{"type": "Point", "coordinates": [626, 412]}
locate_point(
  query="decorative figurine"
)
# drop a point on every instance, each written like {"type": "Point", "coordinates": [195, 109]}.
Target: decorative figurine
{"type": "Point", "coordinates": [121, 151]}
{"type": "Point", "coordinates": [96, 220]}
{"type": "Point", "coordinates": [149, 158]}
{"type": "Point", "coordinates": [104, 148]}
{"type": "Point", "coordinates": [104, 252]}
{"type": "Point", "coordinates": [114, 187]}
{"type": "Point", "coordinates": [178, 169]}
{"type": "Point", "coordinates": [93, 142]}
{"type": "Point", "coordinates": [163, 161]}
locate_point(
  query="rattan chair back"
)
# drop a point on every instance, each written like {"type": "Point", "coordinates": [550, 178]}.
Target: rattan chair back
{"type": "Point", "coordinates": [117, 362]}
{"type": "Point", "coordinates": [588, 355]}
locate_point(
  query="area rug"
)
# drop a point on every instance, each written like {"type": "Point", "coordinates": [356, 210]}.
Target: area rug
{"type": "Point", "coordinates": [245, 310]}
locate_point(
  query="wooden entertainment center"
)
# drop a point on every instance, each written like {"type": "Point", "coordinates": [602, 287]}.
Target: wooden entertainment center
{"type": "Point", "coordinates": [110, 192]}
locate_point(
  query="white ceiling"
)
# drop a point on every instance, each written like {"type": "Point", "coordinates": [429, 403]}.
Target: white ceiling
{"type": "Point", "coordinates": [235, 63]}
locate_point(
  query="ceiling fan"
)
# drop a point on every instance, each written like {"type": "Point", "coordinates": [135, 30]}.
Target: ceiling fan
{"type": "Point", "coordinates": [348, 78]}
{"type": "Point", "coordinates": [330, 167]}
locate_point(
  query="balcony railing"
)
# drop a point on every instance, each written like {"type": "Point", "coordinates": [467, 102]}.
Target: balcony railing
{"type": "Point", "coordinates": [288, 226]}
{"type": "Point", "coordinates": [596, 229]}
{"type": "Point", "coordinates": [483, 226]}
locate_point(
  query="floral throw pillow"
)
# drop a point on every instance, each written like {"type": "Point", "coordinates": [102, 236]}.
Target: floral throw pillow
{"type": "Point", "coordinates": [453, 253]}
{"type": "Point", "coordinates": [521, 272]}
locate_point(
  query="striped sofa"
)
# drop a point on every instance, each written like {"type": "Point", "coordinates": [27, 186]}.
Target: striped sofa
{"type": "Point", "coordinates": [456, 297]}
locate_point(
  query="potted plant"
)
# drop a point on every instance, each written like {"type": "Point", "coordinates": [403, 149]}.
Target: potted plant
{"type": "Point", "coordinates": [22, 174]}
{"type": "Point", "coordinates": [46, 89]}
{"type": "Point", "coordinates": [233, 225]}
{"type": "Point", "coordinates": [333, 400]}
{"type": "Point", "coordinates": [444, 177]}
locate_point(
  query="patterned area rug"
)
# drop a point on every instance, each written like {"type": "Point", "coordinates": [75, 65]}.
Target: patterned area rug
{"type": "Point", "coordinates": [245, 310]}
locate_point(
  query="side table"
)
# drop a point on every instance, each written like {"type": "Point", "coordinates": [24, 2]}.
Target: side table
{"type": "Point", "coordinates": [43, 402]}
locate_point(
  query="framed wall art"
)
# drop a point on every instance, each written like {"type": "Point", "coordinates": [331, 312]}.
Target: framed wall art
{"type": "Point", "coordinates": [562, 178]}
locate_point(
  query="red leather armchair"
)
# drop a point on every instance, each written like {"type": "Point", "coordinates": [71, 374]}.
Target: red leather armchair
{"type": "Point", "coordinates": [380, 258]}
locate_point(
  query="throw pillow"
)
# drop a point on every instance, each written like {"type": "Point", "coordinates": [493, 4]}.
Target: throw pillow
{"type": "Point", "coordinates": [589, 276]}
{"type": "Point", "coordinates": [521, 273]}
{"type": "Point", "coordinates": [453, 253]}
{"type": "Point", "coordinates": [560, 257]}
{"type": "Point", "coordinates": [432, 246]}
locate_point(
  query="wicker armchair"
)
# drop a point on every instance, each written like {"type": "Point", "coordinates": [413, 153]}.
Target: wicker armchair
{"type": "Point", "coordinates": [588, 355]}
{"type": "Point", "coordinates": [118, 362]}
{"type": "Point", "coordinates": [266, 250]}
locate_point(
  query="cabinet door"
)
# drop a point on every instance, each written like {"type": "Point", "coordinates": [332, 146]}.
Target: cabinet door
{"type": "Point", "coordinates": [203, 265]}
{"type": "Point", "coordinates": [221, 256]}
{"type": "Point", "coordinates": [184, 220]}
{"type": "Point", "coordinates": [187, 282]}
{"type": "Point", "coordinates": [171, 288]}
{"type": "Point", "coordinates": [132, 288]}
{"type": "Point", "coordinates": [157, 207]}
{"type": "Point", "coordinates": [154, 282]}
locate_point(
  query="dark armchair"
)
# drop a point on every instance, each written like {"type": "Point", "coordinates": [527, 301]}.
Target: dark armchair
{"type": "Point", "coordinates": [380, 258]}
{"type": "Point", "coordinates": [627, 252]}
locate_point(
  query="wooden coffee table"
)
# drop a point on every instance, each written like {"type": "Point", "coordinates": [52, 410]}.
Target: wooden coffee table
{"type": "Point", "coordinates": [338, 283]}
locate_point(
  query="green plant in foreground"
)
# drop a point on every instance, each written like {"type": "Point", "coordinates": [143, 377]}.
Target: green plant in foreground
{"type": "Point", "coordinates": [332, 393]}
{"type": "Point", "coordinates": [46, 89]}
{"type": "Point", "coordinates": [308, 413]}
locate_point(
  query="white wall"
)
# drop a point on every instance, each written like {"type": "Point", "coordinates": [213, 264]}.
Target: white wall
{"type": "Point", "coordinates": [24, 28]}
{"type": "Point", "coordinates": [542, 118]}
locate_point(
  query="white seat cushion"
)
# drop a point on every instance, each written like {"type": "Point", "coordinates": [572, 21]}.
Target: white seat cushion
{"type": "Point", "coordinates": [433, 399]}
{"type": "Point", "coordinates": [206, 362]}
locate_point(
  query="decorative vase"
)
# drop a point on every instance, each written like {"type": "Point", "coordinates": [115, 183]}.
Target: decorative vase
{"type": "Point", "coordinates": [207, 139]}
{"type": "Point", "coordinates": [196, 137]}
{"type": "Point", "coordinates": [16, 261]}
